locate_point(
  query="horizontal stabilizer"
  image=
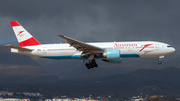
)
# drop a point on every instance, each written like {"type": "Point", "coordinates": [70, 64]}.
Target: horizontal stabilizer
{"type": "Point", "coordinates": [19, 48]}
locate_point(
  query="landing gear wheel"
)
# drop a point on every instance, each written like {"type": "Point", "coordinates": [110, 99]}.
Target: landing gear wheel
{"type": "Point", "coordinates": [88, 67]}
{"type": "Point", "coordinates": [86, 64]}
{"type": "Point", "coordinates": [95, 65]}
{"type": "Point", "coordinates": [91, 64]}
{"type": "Point", "coordinates": [159, 62]}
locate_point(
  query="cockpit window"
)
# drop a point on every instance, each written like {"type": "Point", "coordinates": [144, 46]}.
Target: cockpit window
{"type": "Point", "coordinates": [169, 46]}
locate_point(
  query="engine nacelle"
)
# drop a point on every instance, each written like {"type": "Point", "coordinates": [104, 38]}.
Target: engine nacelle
{"type": "Point", "coordinates": [119, 61]}
{"type": "Point", "coordinates": [112, 54]}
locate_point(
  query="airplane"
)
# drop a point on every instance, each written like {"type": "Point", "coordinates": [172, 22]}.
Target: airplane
{"type": "Point", "coordinates": [110, 52]}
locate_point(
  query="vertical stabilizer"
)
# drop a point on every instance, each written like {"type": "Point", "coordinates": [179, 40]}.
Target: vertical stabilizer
{"type": "Point", "coordinates": [24, 37]}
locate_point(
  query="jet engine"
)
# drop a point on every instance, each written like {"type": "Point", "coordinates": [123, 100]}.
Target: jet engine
{"type": "Point", "coordinates": [112, 54]}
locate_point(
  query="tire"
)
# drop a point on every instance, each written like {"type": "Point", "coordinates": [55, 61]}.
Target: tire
{"type": "Point", "coordinates": [92, 65]}
{"type": "Point", "coordinates": [86, 64]}
{"type": "Point", "coordinates": [95, 65]}
{"type": "Point", "coordinates": [159, 62]}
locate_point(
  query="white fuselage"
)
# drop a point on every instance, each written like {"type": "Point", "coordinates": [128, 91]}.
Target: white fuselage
{"type": "Point", "coordinates": [110, 52]}
{"type": "Point", "coordinates": [141, 49]}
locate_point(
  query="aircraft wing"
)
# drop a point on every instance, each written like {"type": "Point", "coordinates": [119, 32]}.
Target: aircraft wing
{"type": "Point", "coordinates": [81, 46]}
{"type": "Point", "coordinates": [19, 48]}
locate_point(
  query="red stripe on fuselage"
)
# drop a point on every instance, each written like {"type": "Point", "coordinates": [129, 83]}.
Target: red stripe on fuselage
{"type": "Point", "coordinates": [14, 23]}
{"type": "Point", "coordinates": [29, 42]}
{"type": "Point", "coordinates": [146, 46]}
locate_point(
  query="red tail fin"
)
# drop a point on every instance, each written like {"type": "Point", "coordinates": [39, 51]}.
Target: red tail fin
{"type": "Point", "coordinates": [24, 37]}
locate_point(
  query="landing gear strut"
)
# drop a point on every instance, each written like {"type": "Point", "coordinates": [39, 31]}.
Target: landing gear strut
{"type": "Point", "coordinates": [160, 60]}
{"type": "Point", "coordinates": [91, 64]}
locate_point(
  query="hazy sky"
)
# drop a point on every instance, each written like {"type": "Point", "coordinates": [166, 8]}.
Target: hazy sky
{"type": "Point", "coordinates": [93, 20]}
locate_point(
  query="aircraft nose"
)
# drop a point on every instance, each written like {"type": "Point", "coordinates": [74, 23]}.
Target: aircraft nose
{"type": "Point", "coordinates": [171, 50]}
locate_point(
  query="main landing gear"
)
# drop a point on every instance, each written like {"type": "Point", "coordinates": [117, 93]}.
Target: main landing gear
{"type": "Point", "coordinates": [160, 60]}
{"type": "Point", "coordinates": [91, 64]}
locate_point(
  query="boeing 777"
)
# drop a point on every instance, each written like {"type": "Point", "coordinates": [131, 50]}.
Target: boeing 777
{"type": "Point", "coordinates": [111, 52]}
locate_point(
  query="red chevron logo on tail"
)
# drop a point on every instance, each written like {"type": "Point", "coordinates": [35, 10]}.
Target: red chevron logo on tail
{"type": "Point", "coordinates": [20, 33]}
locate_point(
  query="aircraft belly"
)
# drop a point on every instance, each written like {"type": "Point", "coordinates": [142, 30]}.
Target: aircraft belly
{"type": "Point", "coordinates": [129, 53]}
{"type": "Point", "coordinates": [63, 54]}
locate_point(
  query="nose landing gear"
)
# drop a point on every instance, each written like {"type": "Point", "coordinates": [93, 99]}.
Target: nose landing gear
{"type": "Point", "coordinates": [91, 64]}
{"type": "Point", "coordinates": [160, 60]}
